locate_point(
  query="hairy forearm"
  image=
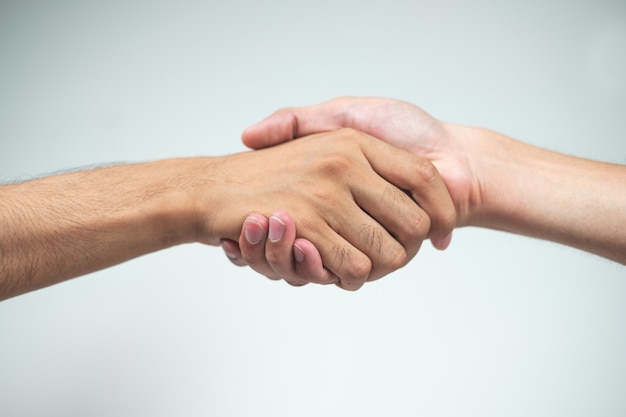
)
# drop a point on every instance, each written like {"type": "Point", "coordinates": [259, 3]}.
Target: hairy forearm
{"type": "Point", "coordinates": [544, 194]}
{"type": "Point", "coordinates": [60, 227]}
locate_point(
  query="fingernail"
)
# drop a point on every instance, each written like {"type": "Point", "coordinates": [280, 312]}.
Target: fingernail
{"type": "Point", "coordinates": [298, 253]}
{"type": "Point", "coordinates": [253, 231]}
{"type": "Point", "coordinates": [277, 229]}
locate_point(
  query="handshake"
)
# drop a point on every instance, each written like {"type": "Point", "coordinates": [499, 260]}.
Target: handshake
{"type": "Point", "coordinates": [351, 200]}
{"type": "Point", "coordinates": [369, 179]}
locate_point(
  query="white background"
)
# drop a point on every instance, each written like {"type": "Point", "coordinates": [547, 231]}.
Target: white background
{"type": "Point", "coordinates": [496, 325]}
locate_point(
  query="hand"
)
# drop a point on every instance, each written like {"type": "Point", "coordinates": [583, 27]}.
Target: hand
{"type": "Point", "coordinates": [398, 123]}
{"type": "Point", "coordinates": [342, 217]}
{"type": "Point", "coordinates": [495, 181]}
{"type": "Point", "coordinates": [297, 261]}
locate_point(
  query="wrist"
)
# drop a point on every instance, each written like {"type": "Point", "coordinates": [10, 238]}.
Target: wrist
{"type": "Point", "coordinates": [495, 163]}
{"type": "Point", "coordinates": [461, 154]}
{"type": "Point", "coordinates": [170, 202]}
{"type": "Point", "coordinates": [528, 190]}
{"type": "Point", "coordinates": [486, 173]}
{"type": "Point", "coordinates": [204, 195]}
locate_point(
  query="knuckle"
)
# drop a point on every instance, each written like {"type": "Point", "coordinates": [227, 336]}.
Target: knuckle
{"type": "Point", "coordinates": [426, 171]}
{"type": "Point", "coordinates": [418, 227]}
{"type": "Point", "coordinates": [444, 220]}
{"type": "Point", "coordinates": [350, 285]}
{"type": "Point", "coordinates": [396, 258]}
{"type": "Point", "coordinates": [371, 238]}
{"type": "Point", "coordinates": [361, 267]}
{"type": "Point", "coordinates": [448, 222]}
{"type": "Point", "coordinates": [357, 273]}
{"type": "Point", "coordinates": [387, 254]}
{"type": "Point", "coordinates": [336, 162]}
{"type": "Point", "coordinates": [270, 275]}
{"type": "Point", "coordinates": [296, 283]}
{"type": "Point", "coordinates": [352, 268]}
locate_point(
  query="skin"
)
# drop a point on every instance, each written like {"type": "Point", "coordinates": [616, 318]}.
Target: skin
{"type": "Point", "coordinates": [337, 184]}
{"type": "Point", "coordinates": [495, 181]}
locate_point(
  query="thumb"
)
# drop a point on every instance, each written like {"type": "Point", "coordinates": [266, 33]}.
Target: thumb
{"type": "Point", "coordinates": [282, 126]}
{"type": "Point", "coordinates": [294, 122]}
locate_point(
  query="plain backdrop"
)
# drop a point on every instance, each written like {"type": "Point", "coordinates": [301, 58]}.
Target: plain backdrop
{"type": "Point", "coordinates": [497, 325]}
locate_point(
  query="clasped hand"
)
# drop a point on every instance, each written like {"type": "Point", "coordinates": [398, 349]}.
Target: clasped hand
{"type": "Point", "coordinates": [343, 208]}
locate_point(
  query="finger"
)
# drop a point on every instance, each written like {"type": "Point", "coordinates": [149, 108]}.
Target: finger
{"type": "Point", "coordinates": [420, 178]}
{"type": "Point", "coordinates": [367, 235]}
{"type": "Point", "coordinates": [296, 260]}
{"type": "Point", "coordinates": [293, 122]}
{"type": "Point", "coordinates": [232, 252]}
{"type": "Point", "coordinates": [347, 266]}
{"type": "Point", "coordinates": [441, 242]}
{"type": "Point", "coordinates": [279, 247]}
{"type": "Point", "coordinates": [344, 264]}
{"type": "Point", "coordinates": [405, 223]}
{"type": "Point", "coordinates": [378, 219]}
{"type": "Point", "coordinates": [342, 259]}
{"type": "Point", "coordinates": [252, 245]}
{"type": "Point", "coordinates": [309, 264]}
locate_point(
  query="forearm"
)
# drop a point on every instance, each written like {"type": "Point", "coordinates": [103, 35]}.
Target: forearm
{"type": "Point", "coordinates": [60, 227]}
{"type": "Point", "coordinates": [536, 192]}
